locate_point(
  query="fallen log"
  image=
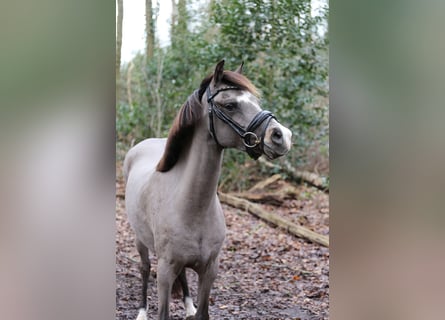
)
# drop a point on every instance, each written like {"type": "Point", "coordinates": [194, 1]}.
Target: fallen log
{"type": "Point", "coordinates": [264, 183]}
{"type": "Point", "coordinates": [309, 177]}
{"type": "Point", "coordinates": [277, 220]}
{"type": "Point", "coordinates": [275, 199]}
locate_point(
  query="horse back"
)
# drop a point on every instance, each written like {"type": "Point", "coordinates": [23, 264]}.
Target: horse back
{"type": "Point", "coordinates": [145, 155]}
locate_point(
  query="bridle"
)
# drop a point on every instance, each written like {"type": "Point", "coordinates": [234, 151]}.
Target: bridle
{"type": "Point", "coordinates": [254, 144]}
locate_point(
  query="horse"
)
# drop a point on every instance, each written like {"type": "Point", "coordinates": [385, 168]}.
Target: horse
{"type": "Point", "coordinates": [171, 184]}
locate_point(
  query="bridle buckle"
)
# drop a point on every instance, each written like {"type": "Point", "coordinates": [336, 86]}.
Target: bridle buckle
{"type": "Point", "coordinates": [248, 136]}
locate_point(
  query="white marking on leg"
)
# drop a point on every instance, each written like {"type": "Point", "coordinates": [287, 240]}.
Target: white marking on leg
{"type": "Point", "coordinates": [189, 307]}
{"type": "Point", "coordinates": [142, 315]}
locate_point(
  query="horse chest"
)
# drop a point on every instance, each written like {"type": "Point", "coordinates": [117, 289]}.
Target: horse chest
{"type": "Point", "coordinates": [192, 240]}
{"type": "Point", "coordinates": [199, 250]}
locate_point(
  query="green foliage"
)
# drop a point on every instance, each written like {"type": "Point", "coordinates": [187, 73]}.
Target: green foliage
{"type": "Point", "coordinates": [286, 57]}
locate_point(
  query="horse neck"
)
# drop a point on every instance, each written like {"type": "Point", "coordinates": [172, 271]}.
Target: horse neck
{"type": "Point", "coordinates": [201, 168]}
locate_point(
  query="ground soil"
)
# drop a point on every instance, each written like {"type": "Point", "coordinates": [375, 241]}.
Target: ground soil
{"type": "Point", "coordinates": [265, 273]}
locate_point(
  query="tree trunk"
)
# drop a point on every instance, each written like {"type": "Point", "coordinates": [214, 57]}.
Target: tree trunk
{"type": "Point", "coordinates": [120, 16]}
{"type": "Point", "coordinates": [173, 19]}
{"type": "Point", "coordinates": [149, 30]}
{"type": "Point", "coordinates": [179, 23]}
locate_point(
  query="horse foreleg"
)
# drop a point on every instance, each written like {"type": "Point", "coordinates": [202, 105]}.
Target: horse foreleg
{"type": "Point", "coordinates": [166, 275]}
{"type": "Point", "coordinates": [205, 283]}
{"type": "Point", "coordinates": [145, 273]}
{"type": "Point", "coordinates": [188, 301]}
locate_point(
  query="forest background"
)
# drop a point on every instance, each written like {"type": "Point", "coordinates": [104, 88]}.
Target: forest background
{"type": "Point", "coordinates": [284, 45]}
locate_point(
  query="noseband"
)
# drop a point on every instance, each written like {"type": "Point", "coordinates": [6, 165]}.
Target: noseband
{"type": "Point", "coordinates": [254, 144]}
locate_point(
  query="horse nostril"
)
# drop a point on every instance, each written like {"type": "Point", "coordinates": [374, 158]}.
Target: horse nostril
{"type": "Point", "coordinates": [277, 136]}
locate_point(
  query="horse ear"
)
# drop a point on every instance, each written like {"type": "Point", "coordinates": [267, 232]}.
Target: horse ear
{"type": "Point", "coordinates": [219, 72]}
{"type": "Point", "coordinates": [240, 68]}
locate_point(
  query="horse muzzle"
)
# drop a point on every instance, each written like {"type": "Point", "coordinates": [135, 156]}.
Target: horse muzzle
{"type": "Point", "coordinates": [277, 140]}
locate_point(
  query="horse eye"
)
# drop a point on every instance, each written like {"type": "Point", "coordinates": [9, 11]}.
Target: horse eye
{"type": "Point", "coordinates": [230, 106]}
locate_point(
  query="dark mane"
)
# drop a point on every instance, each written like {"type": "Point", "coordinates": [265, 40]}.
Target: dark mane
{"type": "Point", "coordinates": [190, 113]}
{"type": "Point", "coordinates": [180, 132]}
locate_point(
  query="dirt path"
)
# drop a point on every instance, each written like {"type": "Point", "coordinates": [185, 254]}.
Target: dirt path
{"type": "Point", "coordinates": [264, 272]}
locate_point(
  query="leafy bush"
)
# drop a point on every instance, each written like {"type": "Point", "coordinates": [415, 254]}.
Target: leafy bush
{"type": "Point", "coordinates": [286, 57]}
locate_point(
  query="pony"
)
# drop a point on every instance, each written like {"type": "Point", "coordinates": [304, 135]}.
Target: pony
{"type": "Point", "coordinates": [171, 184]}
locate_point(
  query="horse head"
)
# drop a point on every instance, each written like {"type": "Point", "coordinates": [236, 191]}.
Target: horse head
{"type": "Point", "coordinates": [236, 119]}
